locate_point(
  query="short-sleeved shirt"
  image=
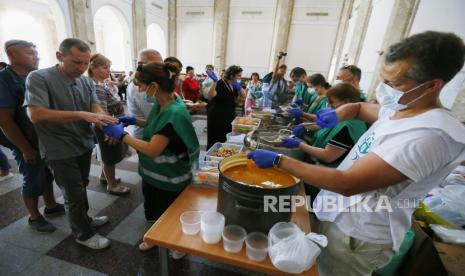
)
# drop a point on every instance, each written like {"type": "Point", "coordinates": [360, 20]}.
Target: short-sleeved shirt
{"type": "Point", "coordinates": [137, 107]}
{"type": "Point", "coordinates": [108, 102]}
{"type": "Point", "coordinates": [176, 145]}
{"type": "Point", "coordinates": [12, 89]}
{"type": "Point", "coordinates": [50, 89]}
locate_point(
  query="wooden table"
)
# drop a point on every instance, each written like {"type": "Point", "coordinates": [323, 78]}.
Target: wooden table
{"type": "Point", "coordinates": [167, 234]}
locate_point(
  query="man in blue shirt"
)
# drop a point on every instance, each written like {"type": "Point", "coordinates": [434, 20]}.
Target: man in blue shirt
{"type": "Point", "coordinates": [19, 134]}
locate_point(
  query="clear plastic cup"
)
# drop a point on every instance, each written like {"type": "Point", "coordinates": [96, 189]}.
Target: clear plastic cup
{"type": "Point", "coordinates": [257, 246]}
{"type": "Point", "coordinates": [211, 227]}
{"type": "Point", "coordinates": [233, 238]}
{"type": "Point", "coordinates": [190, 222]}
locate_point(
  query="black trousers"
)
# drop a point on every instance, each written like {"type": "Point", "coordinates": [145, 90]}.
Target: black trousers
{"type": "Point", "coordinates": [156, 201]}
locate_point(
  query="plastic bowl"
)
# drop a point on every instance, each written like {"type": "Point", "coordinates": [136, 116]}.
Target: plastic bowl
{"type": "Point", "coordinates": [233, 238]}
{"type": "Point", "coordinates": [190, 222]}
{"type": "Point", "coordinates": [256, 246]}
{"type": "Point", "coordinates": [211, 227]}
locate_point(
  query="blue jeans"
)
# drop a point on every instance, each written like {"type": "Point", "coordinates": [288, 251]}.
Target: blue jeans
{"type": "Point", "coordinates": [4, 164]}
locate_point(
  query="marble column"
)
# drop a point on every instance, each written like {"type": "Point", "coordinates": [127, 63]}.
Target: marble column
{"type": "Point", "coordinates": [282, 26]}
{"type": "Point", "coordinates": [340, 38]}
{"type": "Point", "coordinates": [398, 28]}
{"type": "Point", "coordinates": [172, 33]}
{"type": "Point", "coordinates": [458, 108]}
{"type": "Point", "coordinates": [82, 22]}
{"type": "Point", "coordinates": [360, 29]}
{"type": "Point", "coordinates": [139, 29]}
{"type": "Point", "coordinates": [220, 33]}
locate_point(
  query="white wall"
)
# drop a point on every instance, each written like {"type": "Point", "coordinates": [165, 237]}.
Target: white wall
{"type": "Point", "coordinates": [250, 35]}
{"type": "Point", "coordinates": [195, 33]}
{"type": "Point", "coordinates": [372, 44]}
{"type": "Point", "coordinates": [311, 37]}
{"type": "Point", "coordinates": [446, 16]}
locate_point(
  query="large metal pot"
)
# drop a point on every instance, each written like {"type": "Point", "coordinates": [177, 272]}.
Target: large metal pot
{"type": "Point", "coordinates": [244, 205]}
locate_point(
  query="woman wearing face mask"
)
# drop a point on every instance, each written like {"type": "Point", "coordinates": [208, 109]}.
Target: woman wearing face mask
{"type": "Point", "coordinates": [299, 78]}
{"type": "Point", "coordinates": [222, 102]}
{"type": "Point", "coordinates": [169, 147]}
{"type": "Point", "coordinates": [109, 154]}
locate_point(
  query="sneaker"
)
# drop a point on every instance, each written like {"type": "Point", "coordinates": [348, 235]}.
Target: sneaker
{"type": "Point", "coordinates": [143, 246]}
{"type": "Point", "coordinates": [177, 255]}
{"type": "Point", "coordinates": [59, 209]}
{"type": "Point", "coordinates": [99, 221]}
{"type": "Point", "coordinates": [95, 242]}
{"type": "Point", "coordinates": [5, 177]}
{"type": "Point", "coordinates": [41, 225]}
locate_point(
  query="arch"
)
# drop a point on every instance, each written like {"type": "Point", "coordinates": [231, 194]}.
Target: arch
{"type": "Point", "coordinates": [156, 39]}
{"type": "Point", "coordinates": [112, 37]}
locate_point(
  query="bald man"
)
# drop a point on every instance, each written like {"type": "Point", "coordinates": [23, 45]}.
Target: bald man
{"type": "Point", "coordinates": [138, 106]}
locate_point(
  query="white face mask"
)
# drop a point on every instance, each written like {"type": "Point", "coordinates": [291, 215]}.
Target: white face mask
{"type": "Point", "coordinates": [389, 97]}
{"type": "Point", "coordinates": [336, 82]}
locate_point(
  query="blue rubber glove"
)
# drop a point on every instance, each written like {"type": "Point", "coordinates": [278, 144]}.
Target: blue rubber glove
{"type": "Point", "coordinates": [127, 120]}
{"type": "Point", "coordinates": [326, 118]}
{"type": "Point", "coordinates": [296, 113]}
{"type": "Point", "coordinates": [294, 105]}
{"type": "Point", "coordinates": [236, 85]}
{"type": "Point", "coordinates": [298, 101]}
{"type": "Point", "coordinates": [291, 143]}
{"type": "Point", "coordinates": [299, 130]}
{"type": "Point", "coordinates": [114, 131]}
{"type": "Point", "coordinates": [262, 158]}
{"type": "Point", "coordinates": [212, 76]}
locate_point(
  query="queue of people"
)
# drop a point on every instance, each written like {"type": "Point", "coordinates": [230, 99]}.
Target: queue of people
{"type": "Point", "coordinates": [360, 152]}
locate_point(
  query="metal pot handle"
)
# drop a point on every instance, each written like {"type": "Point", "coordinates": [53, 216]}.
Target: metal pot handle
{"type": "Point", "coordinates": [245, 208]}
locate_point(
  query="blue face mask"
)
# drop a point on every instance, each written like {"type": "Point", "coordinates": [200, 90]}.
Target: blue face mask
{"type": "Point", "coordinates": [298, 85]}
{"type": "Point", "coordinates": [389, 97]}
{"type": "Point", "coordinates": [148, 99]}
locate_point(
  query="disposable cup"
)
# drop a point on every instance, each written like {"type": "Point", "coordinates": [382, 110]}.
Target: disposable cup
{"type": "Point", "coordinates": [211, 227]}
{"type": "Point", "coordinates": [190, 222]}
{"type": "Point", "coordinates": [233, 238]}
{"type": "Point", "coordinates": [256, 246]}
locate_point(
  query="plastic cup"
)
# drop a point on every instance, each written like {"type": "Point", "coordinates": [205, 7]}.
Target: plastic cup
{"type": "Point", "coordinates": [190, 222]}
{"type": "Point", "coordinates": [256, 246]}
{"type": "Point", "coordinates": [211, 227]}
{"type": "Point", "coordinates": [233, 238]}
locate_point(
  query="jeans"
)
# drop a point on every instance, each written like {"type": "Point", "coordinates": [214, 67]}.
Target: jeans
{"type": "Point", "coordinates": [72, 176]}
{"type": "Point", "coordinates": [4, 164]}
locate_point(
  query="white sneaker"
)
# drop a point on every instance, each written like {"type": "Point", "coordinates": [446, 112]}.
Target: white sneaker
{"type": "Point", "coordinates": [177, 255]}
{"type": "Point", "coordinates": [5, 177]}
{"type": "Point", "coordinates": [99, 221]}
{"type": "Point", "coordinates": [95, 242]}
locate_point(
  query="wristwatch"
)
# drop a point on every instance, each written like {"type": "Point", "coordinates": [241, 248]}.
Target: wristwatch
{"type": "Point", "coordinates": [124, 134]}
{"type": "Point", "coordinates": [277, 160]}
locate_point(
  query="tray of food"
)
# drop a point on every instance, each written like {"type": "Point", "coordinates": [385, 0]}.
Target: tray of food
{"type": "Point", "coordinates": [244, 124]}
{"type": "Point", "coordinates": [219, 151]}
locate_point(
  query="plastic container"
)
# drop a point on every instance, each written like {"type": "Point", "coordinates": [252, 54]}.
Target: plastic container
{"type": "Point", "coordinates": [235, 139]}
{"type": "Point", "coordinates": [256, 246]}
{"type": "Point", "coordinates": [210, 156]}
{"type": "Point", "coordinates": [282, 230]}
{"type": "Point", "coordinates": [211, 227]}
{"type": "Point", "coordinates": [190, 222]}
{"type": "Point", "coordinates": [238, 128]}
{"type": "Point", "coordinates": [233, 238]}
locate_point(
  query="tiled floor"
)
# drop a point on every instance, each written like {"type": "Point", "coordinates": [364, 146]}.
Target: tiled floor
{"type": "Point", "coordinates": [25, 252]}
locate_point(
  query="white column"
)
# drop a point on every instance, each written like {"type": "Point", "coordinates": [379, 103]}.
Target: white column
{"type": "Point", "coordinates": [282, 26]}
{"type": "Point", "coordinates": [82, 22]}
{"type": "Point", "coordinates": [139, 29]}
{"type": "Point", "coordinates": [399, 24]}
{"type": "Point", "coordinates": [220, 33]}
{"type": "Point", "coordinates": [458, 108]}
{"type": "Point", "coordinates": [360, 29]}
{"type": "Point", "coordinates": [172, 33]}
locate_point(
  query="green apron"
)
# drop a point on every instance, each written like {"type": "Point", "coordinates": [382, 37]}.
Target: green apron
{"type": "Point", "coordinates": [302, 93]}
{"type": "Point", "coordinates": [168, 171]}
{"type": "Point", "coordinates": [314, 107]}
{"type": "Point", "coordinates": [324, 135]}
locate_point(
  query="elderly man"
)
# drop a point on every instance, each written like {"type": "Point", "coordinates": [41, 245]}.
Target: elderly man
{"type": "Point", "coordinates": [366, 203]}
{"type": "Point", "coordinates": [138, 105]}
{"type": "Point", "coordinates": [21, 137]}
{"type": "Point", "coordinates": [62, 104]}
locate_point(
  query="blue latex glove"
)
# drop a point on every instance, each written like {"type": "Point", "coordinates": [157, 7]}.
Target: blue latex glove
{"type": "Point", "coordinates": [212, 76]}
{"type": "Point", "coordinates": [127, 120]}
{"type": "Point", "coordinates": [296, 113]}
{"type": "Point", "coordinates": [291, 143]}
{"type": "Point", "coordinates": [262, 158]}
{"type": "Point", "coordinates": [298, 101]}
{"type": "Point", "coordinates": [236, 85]}
{"type": "Point", "coordinates": [294, 105]}
{"type": "Point", "coordinates": [114, 131]}
{"type": "Point", "coordinates": [299, 130]}
{"type": "Point", "coordinates": [326, 118]}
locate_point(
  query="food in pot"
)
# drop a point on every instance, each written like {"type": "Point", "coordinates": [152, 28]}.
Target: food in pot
{"type": "Point", "coordinates": [247, 121]}
{"type": "Point", "coordinates": [225, 152]}
{"type": "Point", "coordinates": [264, 178]}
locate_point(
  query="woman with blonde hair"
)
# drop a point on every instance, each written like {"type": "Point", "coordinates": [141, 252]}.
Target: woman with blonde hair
{"type": "Point", "coordinates": [109, 153]}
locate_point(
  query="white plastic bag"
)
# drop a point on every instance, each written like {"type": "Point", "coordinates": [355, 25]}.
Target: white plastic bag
{"type": "Point", "coordinates": [291, 250]}
{"type": "Point", "coordinates": [448, 203]}
{"type": "Point", "coordinates": [454, 236]}
{"type": "Point", "coordinates": [456, 177]}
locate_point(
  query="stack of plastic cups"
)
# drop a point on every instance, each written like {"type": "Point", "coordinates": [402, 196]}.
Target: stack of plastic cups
{"type": "Point", "coordinates": [211, 227]}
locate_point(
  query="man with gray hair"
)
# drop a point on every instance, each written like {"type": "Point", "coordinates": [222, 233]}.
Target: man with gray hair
{"type": "Point", "coordinates": [138, 104]}
{"type": "Point", "coordinates": [18, 134]}
{"type": "Point", "coordinates": [63, 105]}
